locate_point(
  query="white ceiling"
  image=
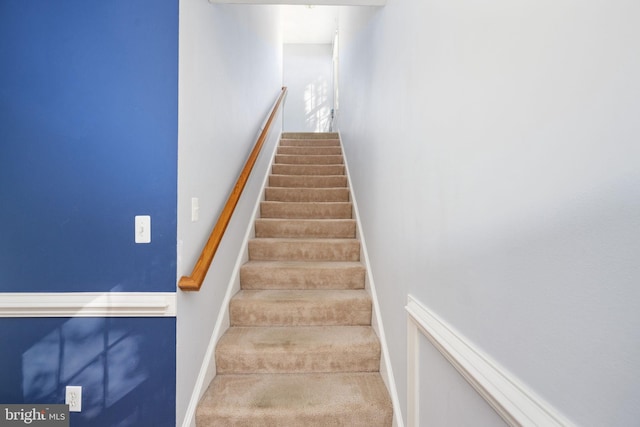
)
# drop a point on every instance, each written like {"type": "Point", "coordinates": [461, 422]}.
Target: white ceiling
{"type": "Point", "coordinates": [309, 24]}
{"type": "Point", "coordinates": [304, 23]}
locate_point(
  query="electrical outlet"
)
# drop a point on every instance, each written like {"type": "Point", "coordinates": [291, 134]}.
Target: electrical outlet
{"type": "Point", "coordinates": [73, 398]}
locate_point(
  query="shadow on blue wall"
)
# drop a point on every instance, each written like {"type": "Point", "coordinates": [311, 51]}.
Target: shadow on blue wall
{"type": "Point", "coordinates": [125, 366]}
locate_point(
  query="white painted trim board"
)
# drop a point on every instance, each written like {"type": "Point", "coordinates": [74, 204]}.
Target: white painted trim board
{"type": "Point", "coordinates": [512, 400]}
{"type": "Point", "coordinates": [88, 304]}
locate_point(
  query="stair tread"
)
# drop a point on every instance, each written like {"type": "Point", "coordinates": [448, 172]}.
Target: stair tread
{"type": "Point", "coordinates": [309, 159]}
{"type": "Point", "coordinates": [302, 275]}
{"type": "Point", "coordinates": [300, 307]}
{"type": "Point", "coordinates": [310, 135]}
{"type": "Point", "coordinates": [289, 175]}
{"type": "Point", "coordinates": [308, 170]}
{"type": "Point", "coordinates": [328, 265]}
{"type": "Point", "coordinates": [308, 220]}
{"type": "Point", "coordinates": [272, 240]}
{"type": "Point", "coordinates": [321, 157]}
{"type": "Point", "coordinates": [308, 181]}
{"type": "Point", "coordinates": [299, 210]}
{"type": "Point", "coordinates": [309, 189]}
{"type": "Point", "coordinates": [291, 296]}
{"type": "Point", "coordinates": [315, 400]}
{"type": "Point", "coordinates": [310, 149]}
{"type": "Point", "coordinates": [305, 228]}
{"type": "Point", "coordinates": [308, 203]}
{"type": "Point", "coordinates": [298, 194]}
{"type": "Point", "coordinates": [304, 249]}
{"type": "Point", "coordinates": [292, 142]}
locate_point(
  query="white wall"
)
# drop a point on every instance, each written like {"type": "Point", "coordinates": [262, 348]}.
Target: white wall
{"type": "Point", "coordinates": [446, 398]}
{"type": "Point", "coordinates": [230, 75]}
{"type": "Point", "coordinates": [308, 74]}
{"type": "Point", "coordinates": [495, 157]}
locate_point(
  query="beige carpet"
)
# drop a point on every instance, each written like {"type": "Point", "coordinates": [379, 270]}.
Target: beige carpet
{"type": "Point", "coordinates": [300, 350]}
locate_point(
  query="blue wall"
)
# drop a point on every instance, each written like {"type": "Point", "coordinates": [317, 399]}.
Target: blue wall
{"type": "Point", "coordinates": [88, 140]}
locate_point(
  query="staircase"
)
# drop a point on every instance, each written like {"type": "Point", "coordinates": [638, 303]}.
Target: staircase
{"type": "Point", "coordinates": [300, 350]}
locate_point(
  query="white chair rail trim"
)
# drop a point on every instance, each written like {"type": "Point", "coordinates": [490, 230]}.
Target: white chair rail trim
{"type": "Point", "coordinates": [512, 400]}
{"type": "Point", "coordinates": [88, 304]}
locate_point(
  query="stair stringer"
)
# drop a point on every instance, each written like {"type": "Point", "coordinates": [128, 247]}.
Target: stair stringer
{"type": "Point", "coordinates": [208, 368]}
{"type": "Point", "coordinates": [386, 371]}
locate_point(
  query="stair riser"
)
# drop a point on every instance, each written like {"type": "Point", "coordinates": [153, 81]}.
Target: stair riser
{"type": "Point", "coordinates": [310, 135]}
{"type": "Point", "coordinates": [338, 250]}
{"type": "Point", "coordinates": [310, 150]}
{"type": "Point", "coordinates": [308, 160]}
{"type": "Point", "coordinates": [306, 170]}
{"type": "Point", "coordinates": [277, 194]}
{"type": "Point", "coordinates": [300, 313]}
{"type": "Point", "coordinates": [297, 350]}
{"type": "Point", "coordinates": [252, 277]}
{"type": "Point", "coordinates": [305, 228]}
{"type": "Point", "coordinates": [330, 360]}
{"type": "Point", "coordinates": [316, 316]}
{"type": "Point", "coordinates": [294, 181]}
{"type": "Point", "coordinates": [305, 210]}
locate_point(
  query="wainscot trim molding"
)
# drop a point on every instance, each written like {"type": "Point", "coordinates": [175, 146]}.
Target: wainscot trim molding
{"type": "Point", "coordinates": [88, 304]}
{"type": "Point", "coordinates": [511, 399]}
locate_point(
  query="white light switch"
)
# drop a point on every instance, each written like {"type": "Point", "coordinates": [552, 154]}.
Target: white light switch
{"type": "Point", "coordinates": [143, 229]}
{"type": "Point", "coordinates": [195, 209]}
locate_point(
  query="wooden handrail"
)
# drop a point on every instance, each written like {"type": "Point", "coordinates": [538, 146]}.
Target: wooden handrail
{"type": "Point", "coordinates": [194, 281]}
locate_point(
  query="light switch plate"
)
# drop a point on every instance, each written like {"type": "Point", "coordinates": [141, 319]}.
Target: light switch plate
{"type": "Point", "coordinates": [143, 229]}
{"type": "Point", "coordinates": [195, 209]}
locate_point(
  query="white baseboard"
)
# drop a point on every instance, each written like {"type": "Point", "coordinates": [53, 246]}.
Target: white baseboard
{"type": "Point", "coordinates": [511, 399]}
{"type": "Point", "coordinates": [88, 304]}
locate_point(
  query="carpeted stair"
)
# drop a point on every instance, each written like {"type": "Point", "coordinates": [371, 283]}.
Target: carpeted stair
{"type": "Point", "coordinates": [300, 350]}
